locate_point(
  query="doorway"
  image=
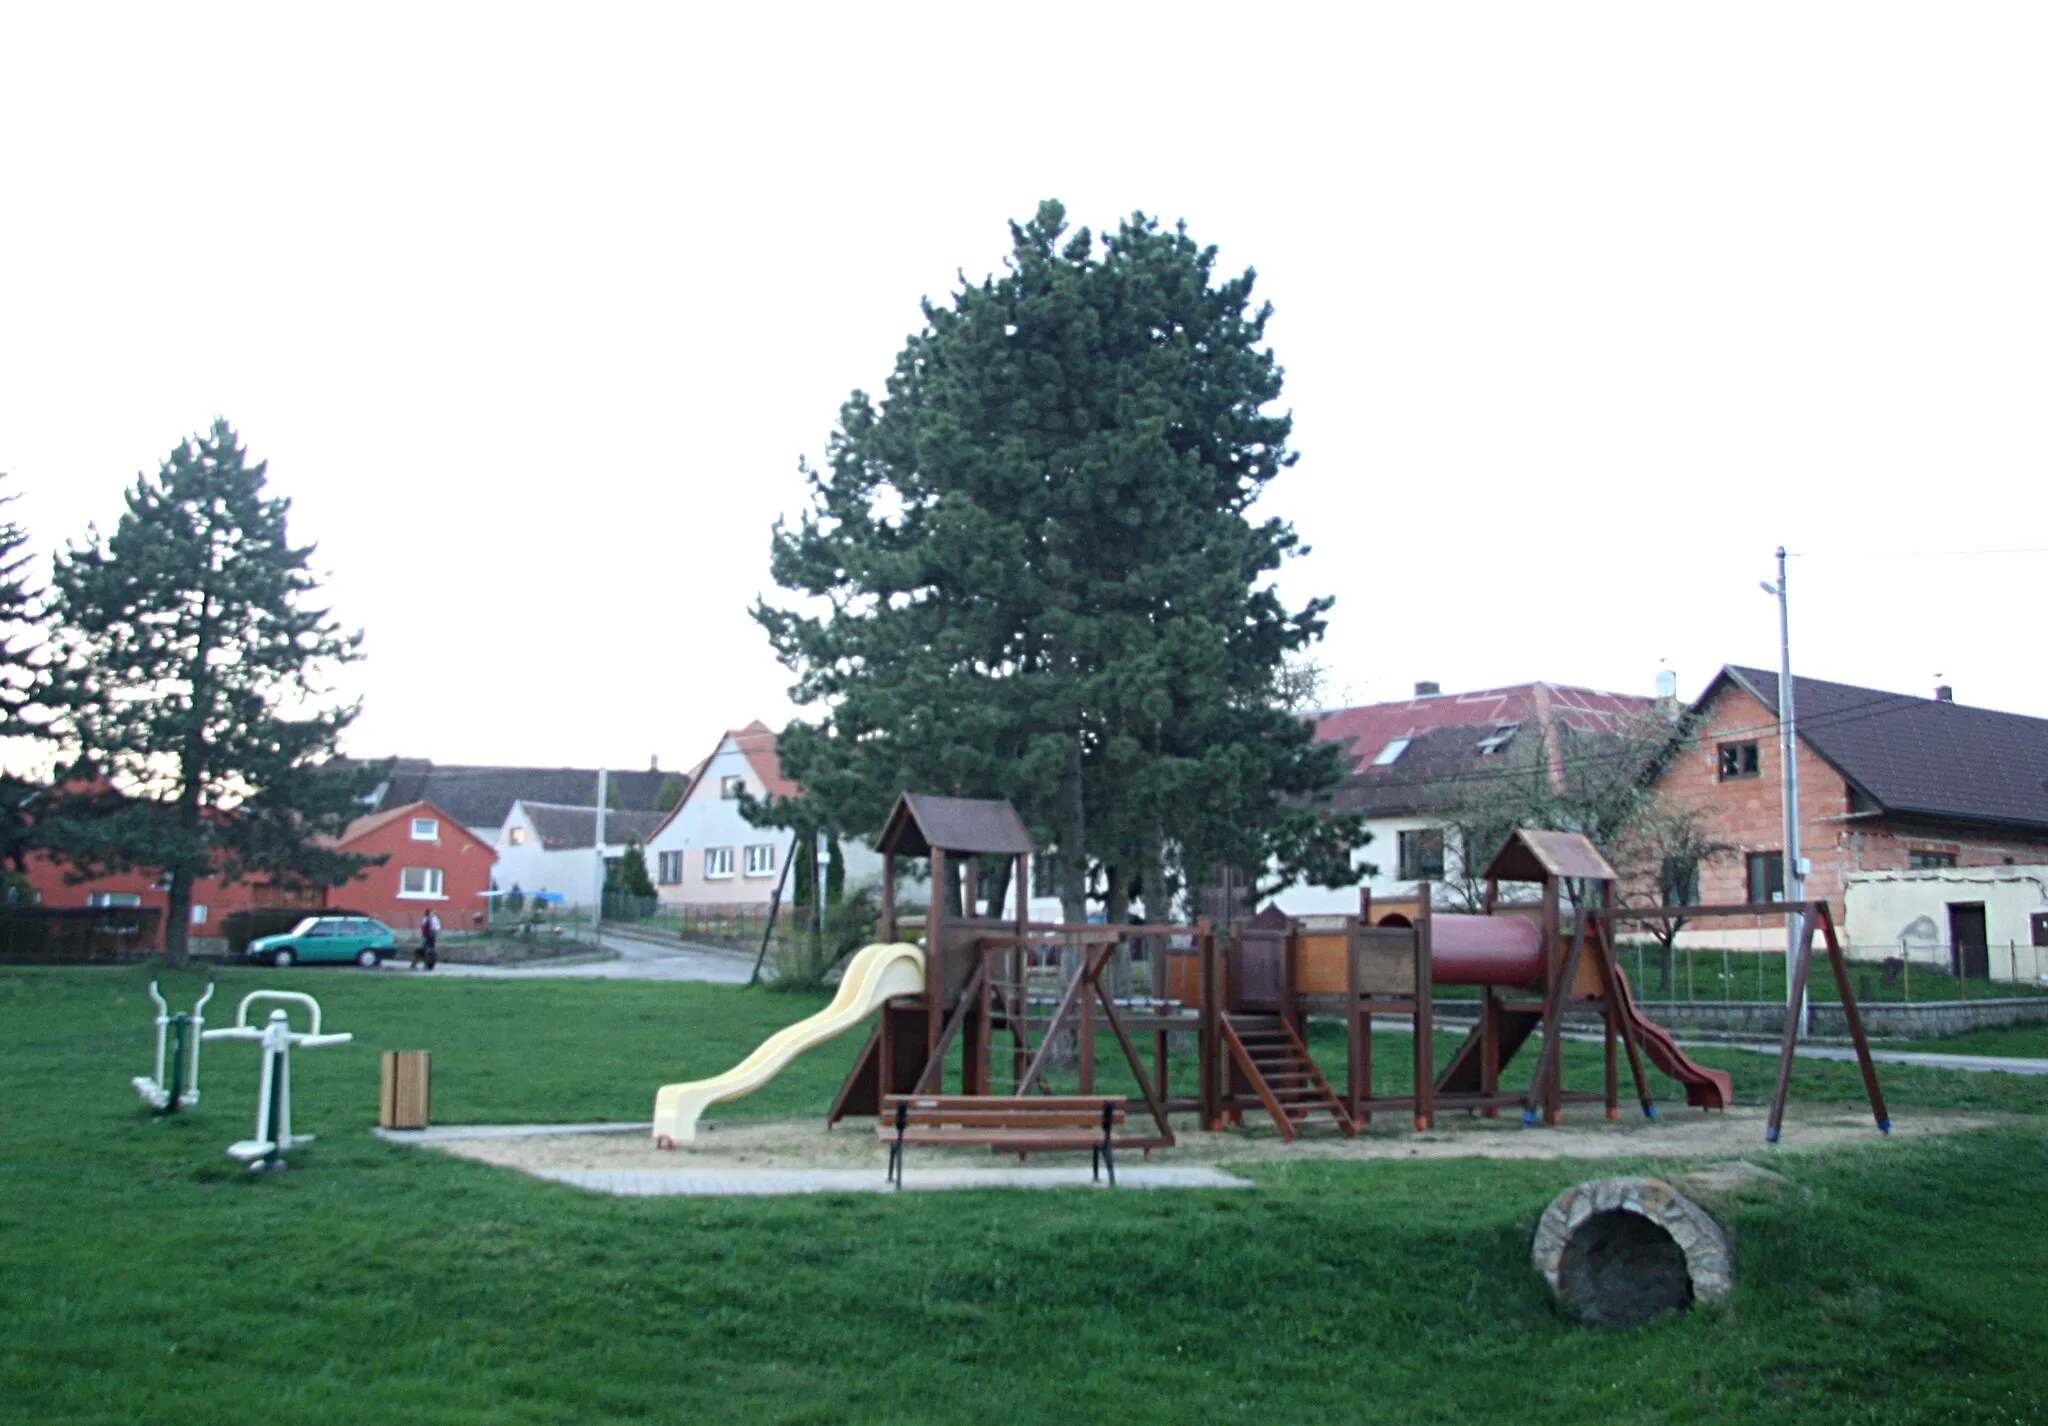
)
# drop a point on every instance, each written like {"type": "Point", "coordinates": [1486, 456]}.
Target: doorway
{"type": "Point", "coordinates": [1969, 949]}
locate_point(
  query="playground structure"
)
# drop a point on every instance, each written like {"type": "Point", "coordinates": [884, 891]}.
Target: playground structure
{"type": "Point", "coordinates": [264, 1151]}
{"type": "Point", "coordinates": [175, 1085]}
{"type": "Point", "coordinates": [1004, 1003]}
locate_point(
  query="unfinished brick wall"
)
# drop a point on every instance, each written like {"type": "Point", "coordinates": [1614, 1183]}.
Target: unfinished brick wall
{"type": "Point", "coordinates": [1746, 812]}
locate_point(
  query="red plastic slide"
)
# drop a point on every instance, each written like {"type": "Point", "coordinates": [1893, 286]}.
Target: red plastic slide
{"type": "Point", "coordinates": [1704, 1088]}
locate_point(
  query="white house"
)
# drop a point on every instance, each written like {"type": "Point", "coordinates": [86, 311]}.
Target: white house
{"type": "Point", "coordinates": [704, 853]}
{"type": "Point", "coordinates": [1400, 758]}
{"type": "Point", "coordinates": [546, 846]}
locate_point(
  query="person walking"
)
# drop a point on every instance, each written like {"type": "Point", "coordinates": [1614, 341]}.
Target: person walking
{"type": "Point", "coordinates": [430, 935]}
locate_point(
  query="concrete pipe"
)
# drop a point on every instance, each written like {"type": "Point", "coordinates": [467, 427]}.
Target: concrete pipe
{"type": "Point", "coordinates": [1618, 1252]}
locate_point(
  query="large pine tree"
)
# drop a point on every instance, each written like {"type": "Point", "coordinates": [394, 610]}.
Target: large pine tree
{"type": "Point", "coordinates": [194, 666]}
{"type": "Point", "coordinates": [1044, 581]}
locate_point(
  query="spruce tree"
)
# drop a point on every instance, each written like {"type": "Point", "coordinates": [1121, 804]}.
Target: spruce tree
{"type": "Point", "coordinates": [195, 664]}
{"type": "Point", "coordinates": [1045, 583]}
{"type": "Point", "coordinates": [632, 877]}
{"type": "Point", "coordinates": [24, 688]}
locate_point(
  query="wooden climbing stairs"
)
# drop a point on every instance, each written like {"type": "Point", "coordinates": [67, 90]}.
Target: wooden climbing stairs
{"type": "Point", "coordinates": [1272, 1059]}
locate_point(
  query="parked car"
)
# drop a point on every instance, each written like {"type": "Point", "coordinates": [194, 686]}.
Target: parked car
{"type": "Point", "coordinates": [327, 938]}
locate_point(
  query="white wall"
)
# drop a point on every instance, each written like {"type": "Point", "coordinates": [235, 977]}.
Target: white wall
{"type": "Point", "coordinates": [706, 821]}
{"type": "Point", "coordinates": [1384, 852]}
{"type": "Point", "coordinates": [1891, 913]}
{"type": "Point", "coordinates": [531, 866]}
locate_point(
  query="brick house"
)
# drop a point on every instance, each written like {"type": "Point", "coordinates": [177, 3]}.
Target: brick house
{"type": "Point", "coordinates": [433, 862]}
{"type": "Point", "coordinates": [1887, 783]}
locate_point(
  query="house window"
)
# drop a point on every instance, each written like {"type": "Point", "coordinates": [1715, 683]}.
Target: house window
{"type": "Point", "coordinates": [669, 868]}
{"type": "Point", "coordinates": [1929, 861]}
{"type": "Point", "coordinates": [515, 836]}
{"type": "Point", "coordinates": [1497, 741]}
{"type": "Point", "coordinates": [2039, 923]}
{"type": "Point", "coordinates": [422, 883]}
{"type": "Point", "coordinates": [1738, 760]}
{"type": "Point", "coordinates": [718, 861]}
{"type": "Point", "coordinates": [198, 915]}
{"type": "Point", "coordinates": [426, 829]}
{"type": "Point", "coordinates": [1766, 877]}
{"type": "Point", "coordinates": [730, 788]}
{"type": "Point", "coordinates": [1391, 753]}
{"type": "Point", "coordinates": [761, 859]}
{"type": "Point", "coordinates": [1422, 854]}
{"type": "Point", "coordinates": [113, 898]}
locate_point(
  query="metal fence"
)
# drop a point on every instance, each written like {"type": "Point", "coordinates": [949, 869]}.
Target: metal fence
{"type": "Point", "coordinates": [1877, 974]}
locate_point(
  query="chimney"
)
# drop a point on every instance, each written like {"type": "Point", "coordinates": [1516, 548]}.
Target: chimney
{"type": "Point", "coordinates": [1428, 689]}
{"type": "Point", "coordinates": [1944, 694]}
{"type": "Point", "coordinates": [654, 762]}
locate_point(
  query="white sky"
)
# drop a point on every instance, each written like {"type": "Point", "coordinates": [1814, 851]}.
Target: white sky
{"type": "Point", "coordinates": [1584, 309]}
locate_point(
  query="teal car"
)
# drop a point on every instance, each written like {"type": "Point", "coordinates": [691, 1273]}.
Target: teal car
{"type": "Point", "coordinates": [327, 938]}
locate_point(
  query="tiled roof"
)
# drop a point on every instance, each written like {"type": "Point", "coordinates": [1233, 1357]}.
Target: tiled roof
{"type": "Point", "coordinates": [1916, 756]}
{"type": "Point", "coordinates": [566, 828]}
{"type": "Point", "coordinates": [756, 743]}
{"type": "Point", "coordinates": [1445, 732]}
{"type": "Point", "coordinates": [481, 796]}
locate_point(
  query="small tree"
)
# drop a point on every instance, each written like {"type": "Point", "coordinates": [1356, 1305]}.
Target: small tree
{"type": "Point", "coordinates": [24, 686]}
{"type": "Point", "coordinates": [631, 877]}
{"type": "Point", "coordinates": [1592, 783]}
{"type": "Point", "coordinates": [194, 672]}
{"type": "Point", "coordinates": [666, 796]}
{"type": "Point", "coordinates": [1660, 854]}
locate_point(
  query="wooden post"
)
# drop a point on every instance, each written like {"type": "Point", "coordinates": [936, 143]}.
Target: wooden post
{"type": "Point", "coordinates": [1552, 1078]}
{"type": "Point", "coordinates": [935, 959]}
{"type": "Point", "coordinates": [1425, 1014]}
{"type": "Point", "coordinates": [1357, 1023]}
{"type": "Point", "coordinates": [1489, 1048]}
{"type": "Point", "coordinates": [886, 927]}
{"type": "Point", "coordinates": [1855, 1019]}
{"type": "Point", "coordinates": [1209, 1037]}
{"type": "Point", "coordinates": [1084, 1033]}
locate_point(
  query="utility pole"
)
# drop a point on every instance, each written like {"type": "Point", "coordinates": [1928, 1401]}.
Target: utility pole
{"type": "Point", "coordinates": [1788, 759]}
{"type": "Point", "coordinates": [603, 795]}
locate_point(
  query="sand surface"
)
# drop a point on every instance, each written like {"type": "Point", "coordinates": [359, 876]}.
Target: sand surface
{"type": "Point", "coordinates": [742, 1145]}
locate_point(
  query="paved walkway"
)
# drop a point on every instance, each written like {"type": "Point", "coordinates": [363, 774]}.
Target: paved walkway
{"type": "Point", "coordinates": [1976, 1064]}
{"type": "Point", "coordinates": [714, 1183]}
{"type": "Point", "coordinates": [638, 959]}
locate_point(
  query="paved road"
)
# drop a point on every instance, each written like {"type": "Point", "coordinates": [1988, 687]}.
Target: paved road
{"type": "Point", "coordinates": [638, 960]}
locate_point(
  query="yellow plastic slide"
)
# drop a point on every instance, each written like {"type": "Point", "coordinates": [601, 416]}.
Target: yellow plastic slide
{"type": "Point", "coordinates": [877, 974]}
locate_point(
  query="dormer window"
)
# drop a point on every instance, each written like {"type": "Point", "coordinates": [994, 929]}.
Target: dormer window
{"type": "Point", "coordinates": [426, 829]}
{"type": "Point", "coordinates": [1391, 753]}
{"type": "Point", "coordinates": [1497, 741]}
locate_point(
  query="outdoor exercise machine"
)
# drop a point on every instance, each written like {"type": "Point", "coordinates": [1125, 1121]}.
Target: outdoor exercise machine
{"type": "Point", "coordinates": [177, 1051]}
{"type": "Point", "coordinates": [264, 1152]}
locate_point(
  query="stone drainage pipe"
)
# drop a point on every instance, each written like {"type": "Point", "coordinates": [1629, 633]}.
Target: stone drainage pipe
{"type": "Point", "coordinates": [1620, 1251]}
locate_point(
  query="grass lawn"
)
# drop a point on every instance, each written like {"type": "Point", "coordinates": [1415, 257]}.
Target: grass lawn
{"type": "Point", "coordinates": [145, 1277]}
{"type": "Point", "coordinates": [2023, 1041]}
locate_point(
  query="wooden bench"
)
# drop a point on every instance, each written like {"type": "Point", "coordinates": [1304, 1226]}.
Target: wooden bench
{"type": "Point", "coordinates": [1018, 1124]}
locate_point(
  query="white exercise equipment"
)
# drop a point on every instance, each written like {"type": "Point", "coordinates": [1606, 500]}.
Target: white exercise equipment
{"type": "Point", "coordinates": [178, 1036]}
{"type": "Point", "coordinates": [264, 1152]}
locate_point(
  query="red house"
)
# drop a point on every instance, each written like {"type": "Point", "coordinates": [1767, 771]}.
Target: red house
{"type": "Point", "coordinates": [432, 862]}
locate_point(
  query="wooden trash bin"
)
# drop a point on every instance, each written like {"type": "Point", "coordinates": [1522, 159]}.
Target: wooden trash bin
{"type": "Point", "coordinates": [402, 1095]}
